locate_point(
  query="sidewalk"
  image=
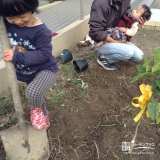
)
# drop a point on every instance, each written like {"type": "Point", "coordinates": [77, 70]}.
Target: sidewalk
{"type": "Point", "coordinates": [63, 14]}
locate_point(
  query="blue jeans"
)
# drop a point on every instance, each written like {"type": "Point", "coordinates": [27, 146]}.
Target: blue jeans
{"type": "Point", "coordinates": [115, 52]}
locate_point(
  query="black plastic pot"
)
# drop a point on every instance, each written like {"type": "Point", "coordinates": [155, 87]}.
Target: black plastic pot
{"type": "Point", "coordinates": [80, 65]}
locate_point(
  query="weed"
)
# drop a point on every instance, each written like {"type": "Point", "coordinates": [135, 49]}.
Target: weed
{"type": "Point", "coordinates": [92, 56]}
{"type": "Point", "coordinates": [78, 134]}
{"type": "Point", "coordinates": [74, 98]}
{"type": "Point", "coordinates": [71, 110]}
{"type": "Point", "coordinates": [83, 92]}
{"type": "Point", "coordinates": [96, 75]}
{"type": "Point", "coordinates": [121, 123]}
{"type": "Point", "coordinates": [76, 81]}
{"type": "Point", "coordinates": [2, 110]}
{"type": "Point", "coordinates": [65, 69]}
{"type": "Point", "coordinates": [25, 104]}
{"type": "Point", "coordinates": [13, 117]}
{"type": "Point", "coordinates": [129, 109]}
{"type": "Point", "coordinates": [3, 104]}
{"type": "Point", "coordinates": [82, 109]}
{"type": "Point", "coordinates": [56, 99]}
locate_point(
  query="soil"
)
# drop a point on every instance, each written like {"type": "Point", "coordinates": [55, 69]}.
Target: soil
{"type": "Point", "coordinates": [91, 112]}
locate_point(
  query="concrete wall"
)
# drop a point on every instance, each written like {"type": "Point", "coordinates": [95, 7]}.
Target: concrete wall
{"type": "Point", "coordinates": [69, 35]}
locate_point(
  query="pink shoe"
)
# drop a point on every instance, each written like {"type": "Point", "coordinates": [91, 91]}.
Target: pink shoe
{"type": "Point", "coordinates": [38, 119]}
{"type": "Point", "coordinates": [47, 122]}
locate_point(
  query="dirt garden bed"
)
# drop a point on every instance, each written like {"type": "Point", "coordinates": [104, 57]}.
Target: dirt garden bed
{"type": "Point", "coordinates": [91, 112]}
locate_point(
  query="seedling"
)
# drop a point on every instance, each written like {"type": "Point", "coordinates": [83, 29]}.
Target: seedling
{"type": "Point", "coordinates": [150, 69]}
{"type": "Point", "coordinates": [56, 99]}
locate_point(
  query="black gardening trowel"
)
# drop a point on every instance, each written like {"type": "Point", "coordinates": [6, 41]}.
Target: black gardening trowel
{"type": "Point", "coordinates": [21, 142]}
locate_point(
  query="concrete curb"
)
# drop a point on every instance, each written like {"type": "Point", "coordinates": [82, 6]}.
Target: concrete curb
{"type": "Point", "coordinates": [68, 36]}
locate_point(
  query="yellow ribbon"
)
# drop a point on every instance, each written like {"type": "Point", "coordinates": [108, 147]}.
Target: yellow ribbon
{"type": "Point", "coordinates": [146, 91]}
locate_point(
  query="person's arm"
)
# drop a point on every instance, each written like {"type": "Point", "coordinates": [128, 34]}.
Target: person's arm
{"type": "Point", "coordinates": [40, 55]}
{"type": "Point", "coordinates": [98, 22]}
{"type": "Point", "coordinates": [133, 30]}
{"type": "Point", "coordinates": [111, 40]}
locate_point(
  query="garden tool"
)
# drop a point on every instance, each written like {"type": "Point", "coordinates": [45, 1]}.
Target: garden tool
{"type": "Point", "coordinates": [21, 142]}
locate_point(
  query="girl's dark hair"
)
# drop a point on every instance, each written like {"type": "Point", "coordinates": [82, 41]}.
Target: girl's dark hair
{"type": "Point", "coordinates": [10, 8]}
{"type": "Point", "coordinates": [147, 13]}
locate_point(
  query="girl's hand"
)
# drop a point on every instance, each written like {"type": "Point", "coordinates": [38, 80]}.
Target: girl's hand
{"type": "Point", "coordinates": [8, 55]}
{"type": "Point", "coordinates": [101, 43]}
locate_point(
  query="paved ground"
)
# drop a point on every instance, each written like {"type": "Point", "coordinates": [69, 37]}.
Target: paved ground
{"type": "Point", "coordinates": [65, 13]}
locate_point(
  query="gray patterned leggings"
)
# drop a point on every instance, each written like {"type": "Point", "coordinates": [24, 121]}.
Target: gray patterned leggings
{"type": "Point", "coordinates": [36, 89]}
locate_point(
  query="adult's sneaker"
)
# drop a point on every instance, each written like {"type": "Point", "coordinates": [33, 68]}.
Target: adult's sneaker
{"type": "Point", "coordinates": [105, 64]}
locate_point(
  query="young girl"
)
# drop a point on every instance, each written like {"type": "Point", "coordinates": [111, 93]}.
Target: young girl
{"type": "Point", "coordinates": [34, 62]}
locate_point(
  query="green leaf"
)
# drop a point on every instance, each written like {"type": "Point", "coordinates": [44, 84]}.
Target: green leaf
{"type": "Point", "coordinates": [83, 92]}
{"type": "Point", "coordinates": [156, 67]}
{"type": "Point", "coordinates": [158, 120]}
{"type": "Point", "coordinates": [153, 108]}
{"type": "Point", "coordinates": [157, 90]}
{"type": "Point", "coordinates": [148, 74]}
{"type": "Point", "coordinates": [158, 83]}
{"type": "Point", "coordinates": [13, 117]}
{"type": "Point", "coordinates": [157, 55]}
{"type": "Point", "coordinates": [140, 75]}
{"type": "Point", "coordinates": [137, 77]}
{"type": "Point", "coordinates": [147, 65]}
{"type": "Point", "coordinates": [141, 68]}
{"type": "Point", "coordinates": [157, 72]}
{"type": "Point", "coordinates": [156, 86]}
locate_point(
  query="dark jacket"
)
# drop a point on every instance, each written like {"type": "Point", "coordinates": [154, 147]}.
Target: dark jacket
{"type": "Point", "coordinates": [126, 22]}
{"type": "Point", "coordinates": [104, 15]}
{"type": "Point", "coordinates": [37, 41]}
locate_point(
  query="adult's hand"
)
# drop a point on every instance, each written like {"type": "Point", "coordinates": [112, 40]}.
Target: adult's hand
{"type": "Point", "coordinates": [141, 21]}
{"type": "Point", "coordinates": [111, 40]}
{"type": "Point", "coordinates": [119, 41]}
